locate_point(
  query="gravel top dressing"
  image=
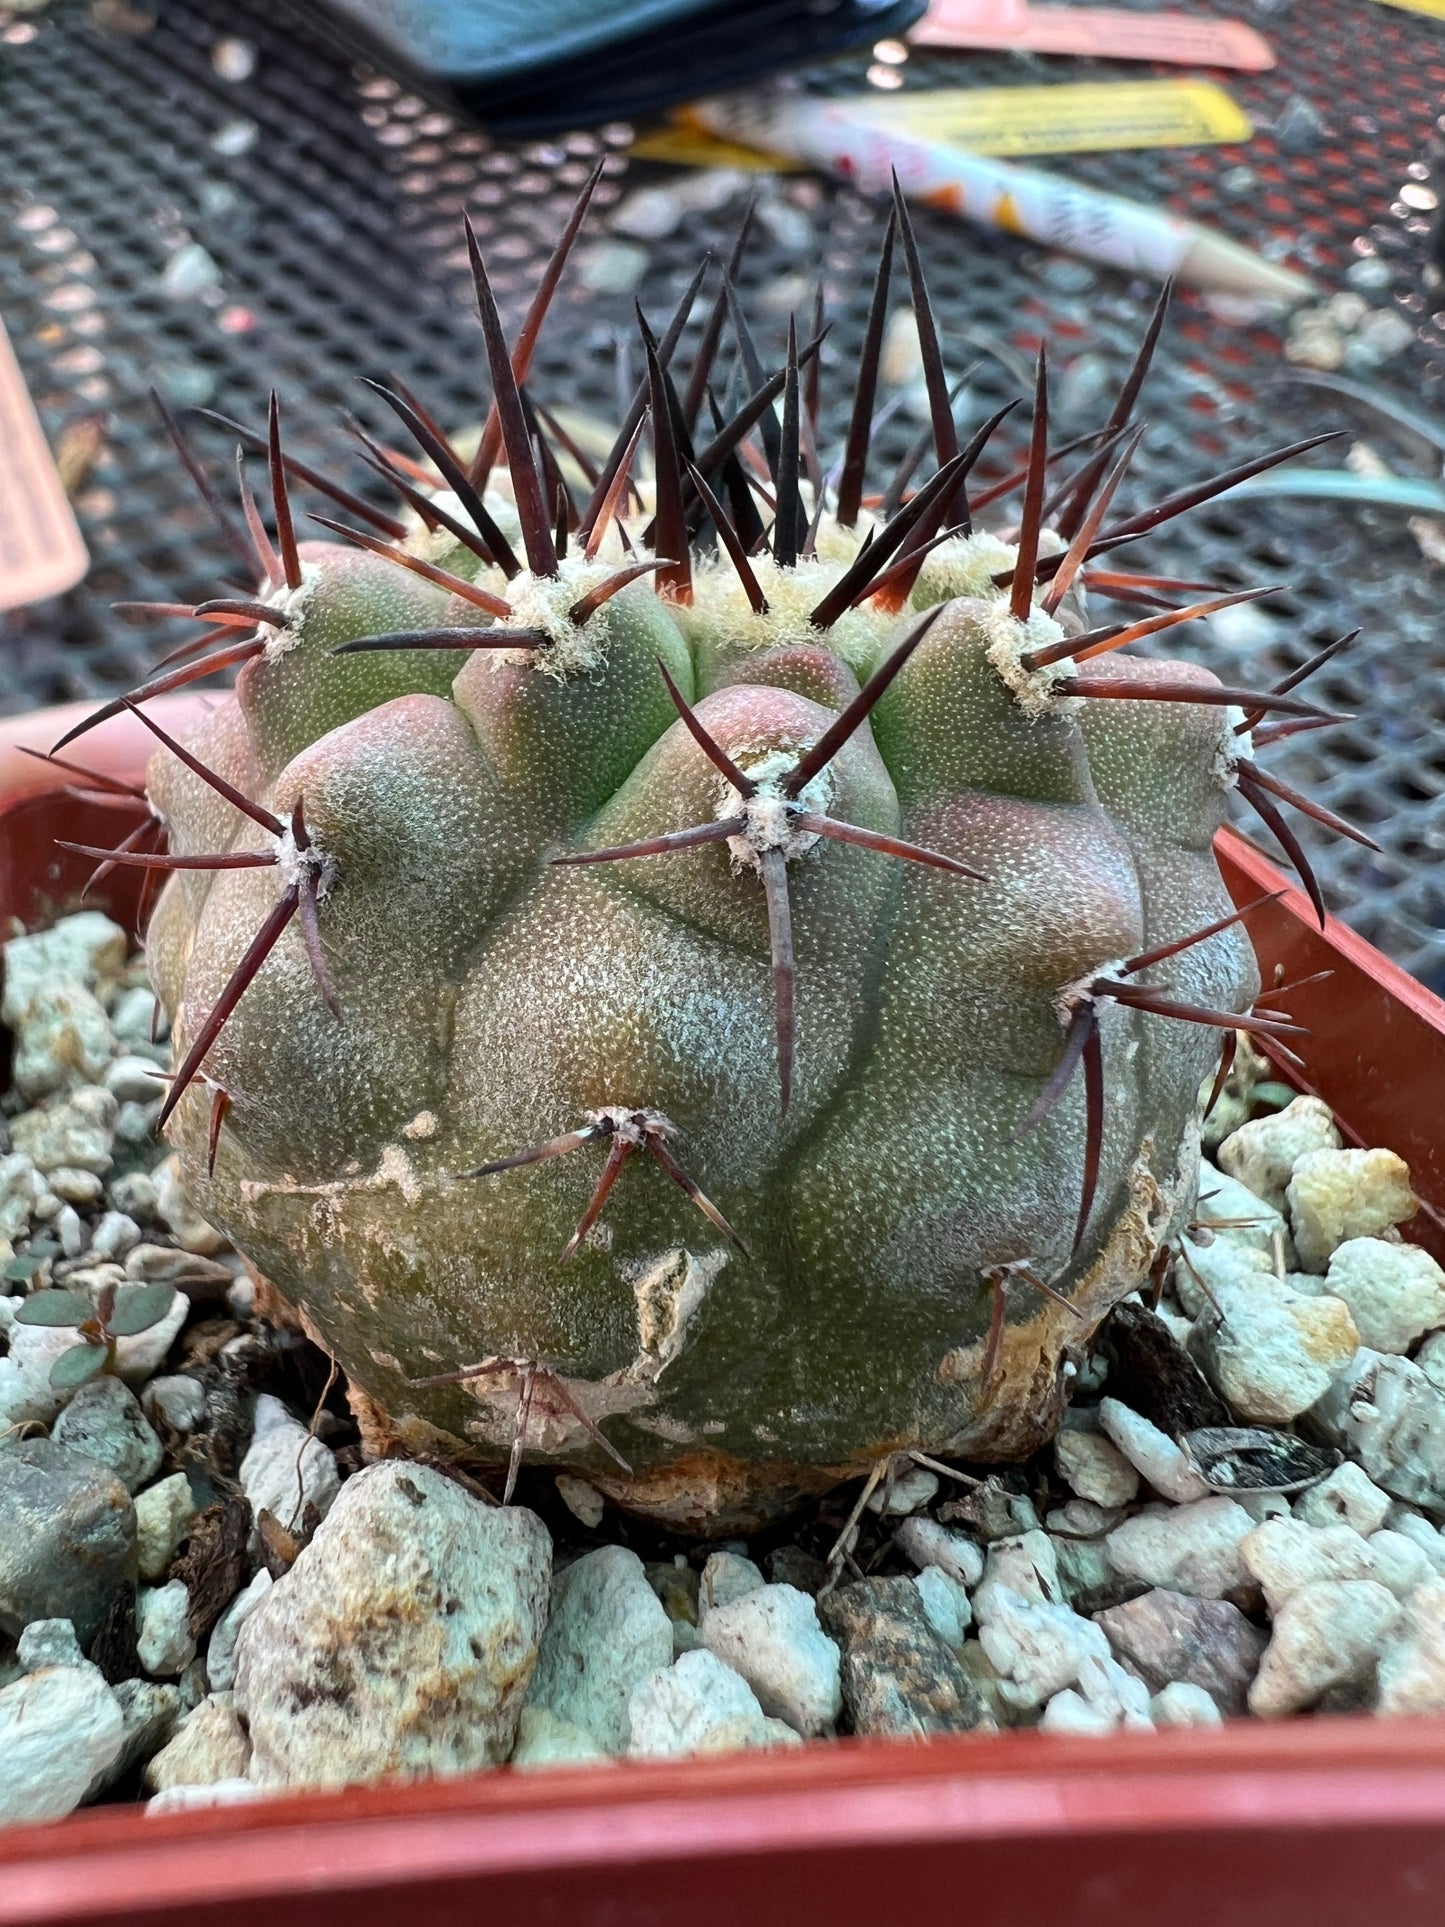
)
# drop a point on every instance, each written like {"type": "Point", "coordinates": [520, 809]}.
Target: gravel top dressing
{"type": "Point", "coordinates": [208, 1591]}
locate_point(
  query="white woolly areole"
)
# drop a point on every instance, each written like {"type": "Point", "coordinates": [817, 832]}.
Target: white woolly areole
{"type": "Point", "coordinates": [770, 818]}
{"type": "Point", "coordinates": [542, 602]}
{"type": "Point", "coordinates": [431, 545]}
{"type": "Point", "coordinates": [632, 1127]}
{"type": "Point", "coordinates": [792, 594]}
{"type": "Point", "coordinates": [295, 864]}
{"type": "Point", "coordinates": [1009, 640]}
{"type": "Point", "coordinates": [292, 604]}
{"type": "Point", "coordinates": [1079, 992]}
{"type": "Point", "coordinates": [834, 543]}
{"type": "Point", "coordinates": [1232, 749]}
{"type": "Point", "coordinates": [967, 564]}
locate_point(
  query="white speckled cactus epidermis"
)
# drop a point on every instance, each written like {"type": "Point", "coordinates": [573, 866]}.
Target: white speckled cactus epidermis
{"type": "Point", "coordinates": [490, 1000]}
{"type": "Point", "coordinates": [826, 1122]}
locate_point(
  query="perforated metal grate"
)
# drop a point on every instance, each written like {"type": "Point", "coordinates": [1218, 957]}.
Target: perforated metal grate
{"type": "Point", "coordinates": [327, 202]}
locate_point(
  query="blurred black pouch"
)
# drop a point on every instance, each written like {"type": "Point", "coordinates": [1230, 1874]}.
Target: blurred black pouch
{"type": "Point", "coordinates": [532, 67]}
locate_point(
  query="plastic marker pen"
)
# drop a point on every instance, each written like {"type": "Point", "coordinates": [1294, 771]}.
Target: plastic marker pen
{"type": "Point", "coordinates": [837, 135]}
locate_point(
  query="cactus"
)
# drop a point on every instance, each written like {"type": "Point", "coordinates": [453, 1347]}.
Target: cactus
{"type": "Point", "coordinates": [710, 984]}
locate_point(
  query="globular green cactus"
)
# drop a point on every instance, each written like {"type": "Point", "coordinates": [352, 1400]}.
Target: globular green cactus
{"type": "Point", "coordinates": [692, 1009]}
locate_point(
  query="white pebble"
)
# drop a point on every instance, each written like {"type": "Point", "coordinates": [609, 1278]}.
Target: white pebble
{"type": "Point", "coordinates": [1263, 1153]}
{"type": "Point", "coordinates": [1115, 1691]}
{"type": "Point", "coordinates": [223, 1793]}
{"type": "Point", "coordinates": [71, 1132]}
{"type": "Point", "coordinates": [134, 1080]}
{"type": "Point", "coordinates": [191, 1231]}
{"type": "Point", "coordinates": [131, 1017]}
{"type": "Point", "coordinates": [545, 1740]}
{"type": "Point", "coordinates": [163, 1515]}
{"type": "Point", "coordinates": [1183, 1704]}
{"type": "Point", "coordinates": [401, 1642]}
{"type": "Point", "coordinates": [63, 1039]}
{"type": "Point", "coordinates": [70, 1231]}
{"type": "Point", "coordinates": [87, 948]}
{"type": "Point", "coordinates": [927, 1543]}
{"type": "Point", "coordinates": [61, 1730]}
{"type": "Point", "coordinates": [177, 1401]}
{"type": "Point", "coordinates": [1400, 1563]}
{"type": "Point", "coordinates": [772, 1637]}
{"type": "Point", "coordinates": [1387, 332]}
{"type": "Point", "coordinates": [1210, 1269]}
{"type": "Point", "coordinates": [1026, 1567]}
{"type": "Point", "coordinates": [1081, 1518]}
{"type": "Point", "coordinates": [1325, 1636]}
{"type": "Point", "coordinates": [189, 271]}
{"type": "Point", "coordinates": [699, 1705]}
{"type": "Point", "coordinates": [1191, 1549]}
{"type": "Point", "coordinates": [208, 1746]}
{"type": "Point", "coordinates": [48, 1642]}
{"type": "Point", "coordinates": [725, 1577]}
{"type": "Point", "coordinates": [648, 214]}
{"type": "Point", "coordinates": [1092, 1466]}
{"type": "Point", "coordinates": [1285, 1554]}
{"type": "Point", "coordinates": [1335, 1196]}
{"type": "Point", "coordinates": [1235, 1213]}
{"type": "Point", "coordinates": [241, 1297]}
{"type": "Point", "coordinates": [1070, 1712]}
{"type": "Point", "coordinates": [26, 1394]}
{"type": "Point", "coordinates": [285, 1470]}
{"type": "Point", "coordinates": [910, 1492]}
{"type": "Point", "coordinates": [76, 1187]}
{"type": "Point", "coordinates": [135, 1194]}
{"type": "Point", "coordinates": [21, 1188]}
{"type": "Point", "coordinates": [115, 1235]}
{"type": "Point", "coordinates": [233, 59]}
{"type": "Point", "coordinates": [1036, 1647]}
{"type": "Point", "coordinates": [945, 1603]}
{"type": "Point", "coordinates": [163, 1639]}
{"type": "Point", "coordinates": [611, 267]}
{"type": "Point", "coordinates": [1395, 1292]}
{"type": "Point", "coordinates": [581, 1498]}
{"type": "Point", "coordinates": [1386, 1414]}
{"type": "Point", "coordinates": [221, 1652]}
{"type": "Point", "coordinates": [1412, 1664]}
{"type": "Point", "coordinates": [607, 1631]}
{"type": "Point", "coordinates": [1271, 1352]}
{"type": "Point", "coordinates": [1413, 1525]}
{"type": "Point", "coordinates": [1152, 1453]}
{"type": "Point", "coordinates": [271, 1415]}
{"type": "Point", "coordinates": [1348, 1497]}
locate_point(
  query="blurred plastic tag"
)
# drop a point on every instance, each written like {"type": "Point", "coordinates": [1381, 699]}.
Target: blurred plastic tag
{"type": "Point", "coordinates": [1185, 40]}
{"type": "Point", "coordinates": [1435, 7]}
{"type": "Point", "coordinates": [41, 552]}
{"type": "Point", "coordinates": [1066, 119]}
{"type": "Point", "coordinates": [682, 144]}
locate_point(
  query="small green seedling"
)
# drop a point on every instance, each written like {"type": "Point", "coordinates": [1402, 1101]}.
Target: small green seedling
{"type": "Point", "coordinates": [116, 1312]}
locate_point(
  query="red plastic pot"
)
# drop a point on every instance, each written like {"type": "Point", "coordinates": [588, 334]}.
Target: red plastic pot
{"type": "Point", "coordinates": [1312, 1823]}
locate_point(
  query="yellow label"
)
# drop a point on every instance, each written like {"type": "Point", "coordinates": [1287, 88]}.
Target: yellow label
{"type": "Point", "coordinates": [1433, 7]}
{"type": "Point", "coordinates": [683, 145]}
{"type": "Point", "coordinates": [1068, 119]}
